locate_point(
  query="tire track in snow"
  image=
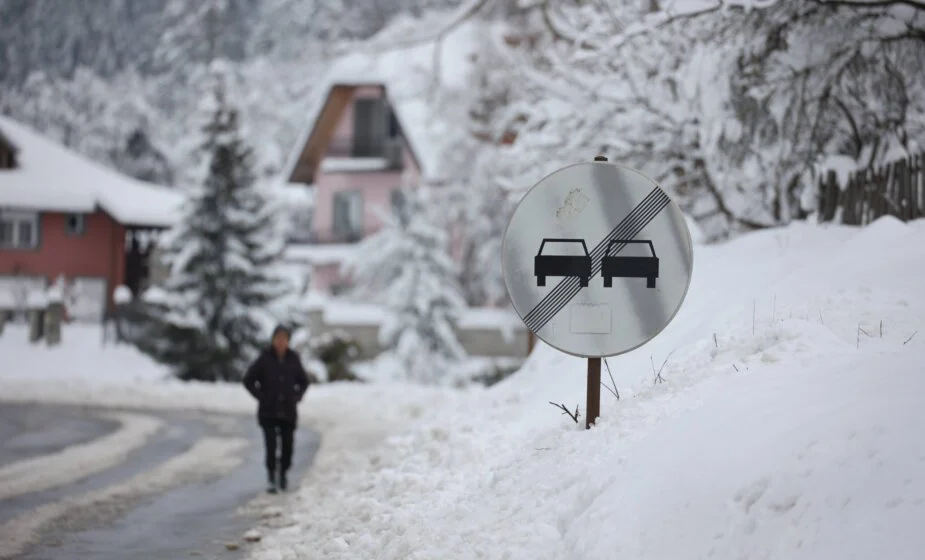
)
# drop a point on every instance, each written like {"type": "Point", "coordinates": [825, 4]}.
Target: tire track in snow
{"type": "Point", "coordinates": [77, 462]}
{"type": "Point", "coordinates": [209, 457]}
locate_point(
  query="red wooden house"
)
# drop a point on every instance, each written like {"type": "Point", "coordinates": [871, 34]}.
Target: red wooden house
{"type": "Point", "coordinates": [62, 215]}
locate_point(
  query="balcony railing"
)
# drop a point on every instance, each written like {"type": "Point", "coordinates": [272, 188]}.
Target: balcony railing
{"type": "Point", "coordinates": [335, 237]}
{"type": "Point", "coordinates": [367, 147]}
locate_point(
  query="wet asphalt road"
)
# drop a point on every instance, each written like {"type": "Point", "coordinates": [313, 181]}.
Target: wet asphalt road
{"type": "Point", "coordinates": [187, 519]}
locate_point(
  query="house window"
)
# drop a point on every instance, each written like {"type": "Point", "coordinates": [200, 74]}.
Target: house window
{"type": "Point", "coordinates": [19, 230]}
{"type": "Point", "coordinates": [348, 215]}
{"type": "Point", "coordinates": [339, 288]}
{"type": "Point", "coordinates": [370, 127]}
{"type": "Point", "coordinates": [394, 127]}
{"type": "Point", "coordinates": [399, 203]}
{"type": "Point", "coordinates": [75, 224]}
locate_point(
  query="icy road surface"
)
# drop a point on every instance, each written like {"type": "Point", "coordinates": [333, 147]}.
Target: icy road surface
{"type": "Point", "coordinates": [78, 482]}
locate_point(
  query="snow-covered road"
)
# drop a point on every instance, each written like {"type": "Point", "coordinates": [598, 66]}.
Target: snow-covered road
{"type": "Point", "coordinates": [115, 484]}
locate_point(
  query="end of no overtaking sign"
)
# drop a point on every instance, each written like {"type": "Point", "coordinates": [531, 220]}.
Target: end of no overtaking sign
{"type": "Point", "coordinates": [597, 259]}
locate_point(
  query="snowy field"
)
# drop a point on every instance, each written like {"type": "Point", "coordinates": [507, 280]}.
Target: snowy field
{"type": "Point", "coordinates": [781, 430]}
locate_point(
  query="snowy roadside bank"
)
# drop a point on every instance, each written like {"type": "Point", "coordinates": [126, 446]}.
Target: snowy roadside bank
{"type": "Point", "coordinates": [784, 417]}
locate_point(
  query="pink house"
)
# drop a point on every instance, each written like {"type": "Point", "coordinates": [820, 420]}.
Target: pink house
{"type": "Point", "coordinates": [356, 156]}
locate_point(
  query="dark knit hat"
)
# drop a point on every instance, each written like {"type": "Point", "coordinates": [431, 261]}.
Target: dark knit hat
{"type": "Point", "coordinates": [281, 329]}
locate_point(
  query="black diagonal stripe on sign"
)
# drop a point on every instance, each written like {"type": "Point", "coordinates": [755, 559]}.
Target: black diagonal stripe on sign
{"type": "Point", "coordinates": [631, 228]}
{"type": "Point", "coordinates": [571, 286]}
{"type": "Point", "coordinates": [565, 290]}
{"type": "Point", "coordinates": [562, 291]}
{"type": "Point", "coordinates": [637, 220]}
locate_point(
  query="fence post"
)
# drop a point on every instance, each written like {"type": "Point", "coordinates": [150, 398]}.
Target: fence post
{"type": "Point", "coordinates": [36, 324]}
{"type": "Point", "coordinates": [833, 195]}
{"type": "Point", "coordinates": [54, 315]}
{"type": "Point", "coordinates": [917, 186]}
{"type": "Point", "coordinates": [847, 202]}
{"type": "Point", "coordinates": [906, 191]}
{"type": "Point", "coordinates": [896, 189]}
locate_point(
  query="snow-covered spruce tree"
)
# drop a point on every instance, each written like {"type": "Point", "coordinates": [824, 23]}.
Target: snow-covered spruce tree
{"type": "Point", "coordinates": [407, 268]}
{"type": "Point", "coordinates": [205, 321]}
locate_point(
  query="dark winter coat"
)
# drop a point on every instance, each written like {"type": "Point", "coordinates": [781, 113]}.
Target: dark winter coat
{"type": "Point", "coordinates": [277, 383]}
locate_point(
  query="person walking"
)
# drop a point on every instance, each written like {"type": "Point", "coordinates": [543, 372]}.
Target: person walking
{"type": "Point", "coordinates": [278, 381]}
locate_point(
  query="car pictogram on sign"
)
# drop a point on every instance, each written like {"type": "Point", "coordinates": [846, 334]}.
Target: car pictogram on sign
{"type": "Point", "coordinates": [562, 265]}
{"type": "Point", "coordinates": [615, 266]}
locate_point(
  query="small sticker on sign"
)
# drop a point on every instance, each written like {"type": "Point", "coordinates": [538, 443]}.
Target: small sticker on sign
{"type": "Point", "coordinates": [590, 318]}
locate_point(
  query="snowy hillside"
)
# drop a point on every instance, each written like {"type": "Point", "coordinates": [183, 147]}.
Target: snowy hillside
{"type": "Point", "coordinates": [786, 427]}
{"type": "Point", "coordinates": [734, 106]}
{"type": "Point", "coordinates": [120, 82]}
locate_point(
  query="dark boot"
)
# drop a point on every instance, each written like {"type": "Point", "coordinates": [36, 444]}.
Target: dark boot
{"type": "Point", "coordinates": [283, 483]}
{"type": "Point", "coordinates": [271, 485]}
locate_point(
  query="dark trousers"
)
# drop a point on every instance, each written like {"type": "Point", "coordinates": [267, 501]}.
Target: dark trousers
{"type": "Point", "coordinates": [284, 430]}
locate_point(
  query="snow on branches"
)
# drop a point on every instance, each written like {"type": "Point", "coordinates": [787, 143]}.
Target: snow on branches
{"type": "Point", "coordinates": [210, 317]}
{"type": "Point", "coordinates": [730, 104]}
{"type": "Point", "coordinates": [407, 268]}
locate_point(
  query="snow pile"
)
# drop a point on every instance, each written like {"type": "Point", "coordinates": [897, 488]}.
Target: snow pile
{"type": "Point", "coordinates": [777, 426]}
{"type": "Point", "coordinates": [81, 370]}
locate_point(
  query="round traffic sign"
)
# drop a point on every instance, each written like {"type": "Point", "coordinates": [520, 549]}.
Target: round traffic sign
{"type": "Point", "coordinates": [597, 259]}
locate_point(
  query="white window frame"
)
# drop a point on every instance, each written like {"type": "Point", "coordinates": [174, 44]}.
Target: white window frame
{"type": "Point", "coordinates": [18, 218]}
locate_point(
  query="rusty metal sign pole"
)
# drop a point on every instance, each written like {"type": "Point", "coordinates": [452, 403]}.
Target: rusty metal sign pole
{"type": "Point", "coordinates": [593, 404]}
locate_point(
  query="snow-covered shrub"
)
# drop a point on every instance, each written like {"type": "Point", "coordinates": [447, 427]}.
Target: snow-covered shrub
{"type": "Point", "coordinates": [336, 350]}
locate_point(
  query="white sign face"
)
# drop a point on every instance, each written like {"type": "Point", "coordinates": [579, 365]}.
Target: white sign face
{"type": "Point", "coordinates": [597, 259]}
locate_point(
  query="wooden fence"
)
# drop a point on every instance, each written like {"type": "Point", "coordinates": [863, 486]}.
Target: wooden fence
{"type": "Point", "coordinates": [896, 189]}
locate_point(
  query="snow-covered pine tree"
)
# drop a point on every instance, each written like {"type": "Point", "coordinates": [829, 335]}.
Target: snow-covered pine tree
{"type": "Point", "coordinates": [407, 267]}
{"type": "Point", "coordinates": [205, 321]}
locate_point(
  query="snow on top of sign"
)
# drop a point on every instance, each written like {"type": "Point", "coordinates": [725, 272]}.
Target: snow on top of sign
{"type": "Point", "coordinates": [407, 74]}
{"type": "Point", "coordinates": [53, 178]}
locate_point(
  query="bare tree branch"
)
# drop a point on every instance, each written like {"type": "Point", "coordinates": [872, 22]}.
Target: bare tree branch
{"type": "Point", "coordinates": [567, 411]}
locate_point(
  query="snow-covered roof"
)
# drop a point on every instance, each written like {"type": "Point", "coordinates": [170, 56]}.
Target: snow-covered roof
{"type": "Point", "coordinates": [53, 178]}
{"type": "Point", "coordinates": [407, 77]}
